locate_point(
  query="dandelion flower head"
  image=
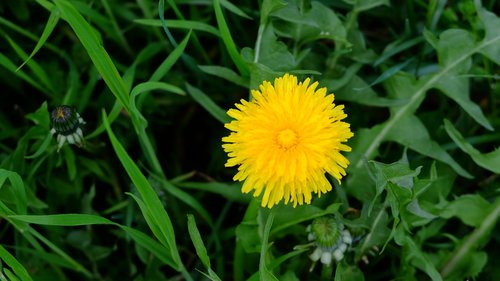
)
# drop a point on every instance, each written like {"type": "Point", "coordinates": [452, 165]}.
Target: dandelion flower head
{"type": "Point", "coordinates": [285, 139]}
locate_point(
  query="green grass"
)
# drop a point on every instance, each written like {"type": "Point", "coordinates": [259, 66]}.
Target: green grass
{"type": "Point", "coordinates": [149, 198]}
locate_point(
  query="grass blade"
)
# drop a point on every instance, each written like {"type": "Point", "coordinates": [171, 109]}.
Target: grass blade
{"type": "Point", "coordinates": [151, 200]}
{"type": "Point", "coordinates": [16, 266]}
{"type": "Point", "coordinates": [228, 41]}
{"type": "Point", "coordinates": [51, 24]}
{"type": "Point", "coordinates": [90, 41]}
{"type": "Point", "coordinates": [208, 104]}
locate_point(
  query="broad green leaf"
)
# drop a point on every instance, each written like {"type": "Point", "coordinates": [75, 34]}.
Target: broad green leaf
{"type": "Point", "coordinates": [319, 22]}
{"type": "Point", "coordinates": [247, 234]}
{"type": "Point", "coordinates": [490, 161]}
{"type": "Point", "coordinates": [414, 256]}
{"type": "Point", "coordinates": [268, 7]}
{"type": "Point", "coordinates": [398, 173]}
{"type": "Point", "coordinates": [459, 258]}
{"type": "Point", "coordinates": [477, 208]}
{"type": "Point", "coordinates": [348, 273]}
{"type": "Point", "coordinates": [416, 92]}
{"type": "Point", "coordinates": [411, 132]}
{"type": "Point", "coordinates": [90, 41]}
{"type": "Point", "coordinates": [392, 177]}
{"type": "Point", "coordinates": [451, 46]}
{"type": "Point", "coordinates": [490, 44]}
{"type": "Point", "coordinates": [207, 103]}
{"type": "Point", "coordinates": [274, 53]}
{"type": "Point", "coordinates": [377, 231]}
{"type": "Point", "coordinates": [457, 89]}
{"type": "Point", "coordinates": [405, 128]}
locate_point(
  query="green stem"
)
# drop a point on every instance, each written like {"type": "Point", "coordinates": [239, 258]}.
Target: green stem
{"type": "Point", "coordinates": [460, 254]}
{"type": "Point", "coordinates": [265, 241]}
{"type": "Point", "coordinates": [239, 252]}
{"type": "Point", "coordinates": [258, 42]}
{"type": "Point", "coordinates": [326, 272]}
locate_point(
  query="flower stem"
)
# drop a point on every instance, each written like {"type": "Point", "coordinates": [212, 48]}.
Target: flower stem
{"type": "Point", "coordinates": [263, 249]}
{"type": "Point", "coordinates": [326, 272]}
{"type": "Point", "coordinates": [260, 32]}
{"type": "Point", "coordinates": [239, 252]}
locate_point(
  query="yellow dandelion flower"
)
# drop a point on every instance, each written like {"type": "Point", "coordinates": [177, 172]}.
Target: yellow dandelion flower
{"type": "Point", "coordinates": [285, 139]}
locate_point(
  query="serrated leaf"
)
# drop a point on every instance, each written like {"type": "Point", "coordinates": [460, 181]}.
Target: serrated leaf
{"type": "Point", "coordinates": [317, 22]}
{"type": "Point", "coordinates": [491, 41]}
{"type": "Point", "coordinates": [417, 94]}
{"type": "Point", "coordinates": [358, 91]}
{"type": "Point", "coordinates": [274, 53]}
{"type": "Point", "coordinates": [411, 132]}
{"type": "Point", "coordinates": [413, 255]}
{"type": "Point", "coordinates": [269, 6]}
{"type": "Point", "coordinates": [490, 161]}
{"type": "Point", "coordinates": [457, 88]}
{"type": "Point", "coordinates": [378, 233]}
{"type": "Point", "coordinates": [452, 47]}
{"type": "Point", "coordinates": [470, 209]}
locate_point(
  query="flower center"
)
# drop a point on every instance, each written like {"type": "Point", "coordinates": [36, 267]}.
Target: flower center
{"type": "Point", "coordinates": [287, 138]}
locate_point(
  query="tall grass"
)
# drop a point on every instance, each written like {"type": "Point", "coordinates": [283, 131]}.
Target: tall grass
{"type": "Point", "coordinates": [148, 196]}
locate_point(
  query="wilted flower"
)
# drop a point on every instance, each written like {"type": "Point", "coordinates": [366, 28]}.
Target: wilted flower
{"type": "Point", "coordinates": [67, 125]}
{"type": "Point", "coordinates": [331, 239]}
